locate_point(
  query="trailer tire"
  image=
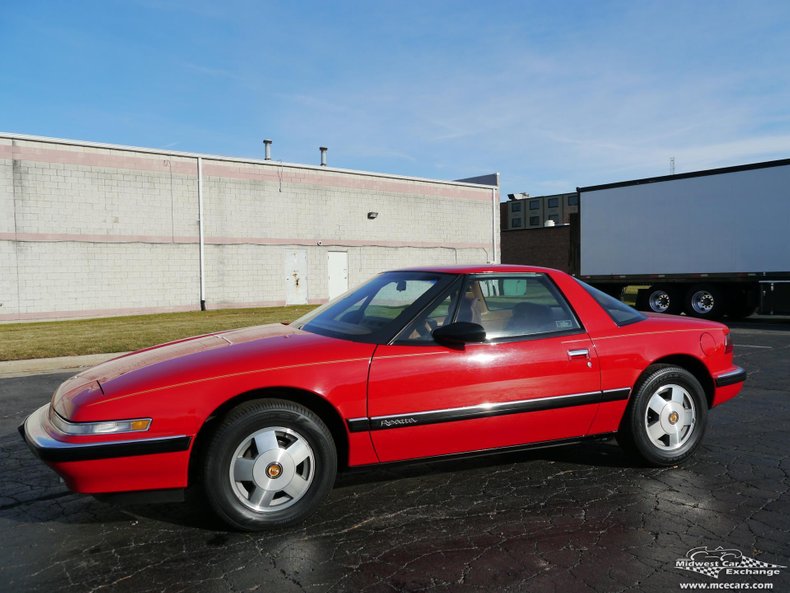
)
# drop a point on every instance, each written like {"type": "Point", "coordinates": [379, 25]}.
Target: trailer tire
{"type": "Point", "coordinates": [663, 298]}
{"type": "Point", "coordinates": [705, 301]}
{"type": "Point", "coordinates": [743, 302]}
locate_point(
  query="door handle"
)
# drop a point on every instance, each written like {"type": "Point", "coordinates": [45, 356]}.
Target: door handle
{"type": "Point", "coordinates": [580, 353]}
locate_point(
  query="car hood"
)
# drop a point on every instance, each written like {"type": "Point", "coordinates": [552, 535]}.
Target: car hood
{"type": "Point", "coordinates": [163, 353]}
{"type": "Point", "coordinates": [203, 357]}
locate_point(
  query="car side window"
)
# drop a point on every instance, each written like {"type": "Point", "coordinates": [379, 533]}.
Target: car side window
{"type": "Point", "coordinates": [516, 306]}
{"type": "Point", "coordinates": [373, 312]}
{"type": "Point", "coordinates": [420, 330]}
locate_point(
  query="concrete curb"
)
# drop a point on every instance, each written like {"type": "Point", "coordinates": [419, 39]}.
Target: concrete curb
{"type": "Point", "coordinates": [40, 366]}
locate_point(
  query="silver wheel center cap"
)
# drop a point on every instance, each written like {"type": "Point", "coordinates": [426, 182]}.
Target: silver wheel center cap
{"type": "Point", "coordinates": [670, 417]}
{"type": "Point", "coordinates": [273, 467]}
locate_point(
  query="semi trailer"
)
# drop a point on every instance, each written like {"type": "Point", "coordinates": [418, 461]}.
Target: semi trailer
{"type": "Point", "coordinates": [707, 243]}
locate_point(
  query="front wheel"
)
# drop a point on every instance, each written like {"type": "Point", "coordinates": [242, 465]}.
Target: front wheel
{"type": "Point", "coordinates": [269, 464]}
{"type": "Point", "coordinates": [665, 421]}
{"type": "Point", "coordinates": [664, 299]}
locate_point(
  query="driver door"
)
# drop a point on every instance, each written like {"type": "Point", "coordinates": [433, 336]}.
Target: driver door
{"type": "Point", "coordinates": [527, 384]}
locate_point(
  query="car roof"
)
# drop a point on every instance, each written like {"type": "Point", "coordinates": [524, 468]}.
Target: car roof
{"type": "Point", "coordinates": [480, 269]}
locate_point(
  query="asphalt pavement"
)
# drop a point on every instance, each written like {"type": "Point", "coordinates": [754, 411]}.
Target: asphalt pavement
{"type": "Point", "coordinates": [577, 519]}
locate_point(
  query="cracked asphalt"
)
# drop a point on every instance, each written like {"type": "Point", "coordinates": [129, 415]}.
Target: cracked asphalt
{"type": "Point", "coordinates": [576, 519]}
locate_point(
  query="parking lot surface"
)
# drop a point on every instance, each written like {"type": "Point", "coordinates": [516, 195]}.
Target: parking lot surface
{"type": "Point", "coordinates": [576, 519]}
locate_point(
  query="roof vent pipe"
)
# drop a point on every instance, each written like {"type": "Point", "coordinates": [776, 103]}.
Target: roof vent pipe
{"type": "Point", "coordinates": [267, 149]}
{"type": "Point", "coordinates": [323, 150]}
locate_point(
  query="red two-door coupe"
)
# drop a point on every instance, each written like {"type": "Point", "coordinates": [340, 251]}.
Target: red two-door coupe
{"type": "Point", "coordinates": [413, 364]}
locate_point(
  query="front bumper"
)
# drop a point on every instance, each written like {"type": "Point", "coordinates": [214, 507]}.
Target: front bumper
{"type": "Point", "coordinates": [109, 466]}
{"type": "Point", "coordinates": [50, 449]}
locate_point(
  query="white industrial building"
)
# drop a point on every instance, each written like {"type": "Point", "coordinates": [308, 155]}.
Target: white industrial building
{"type": "Point", "coordinates": [94, 229]}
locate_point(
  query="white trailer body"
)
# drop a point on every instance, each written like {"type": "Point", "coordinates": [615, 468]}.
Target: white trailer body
{"type": "Point", "coordinates": [737, 222]}
{"type": "Point", "coordinates": [728, 228]}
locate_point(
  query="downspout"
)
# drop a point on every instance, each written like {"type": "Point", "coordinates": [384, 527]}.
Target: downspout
{"type": "Point", "coordinates": [202, 236]}
{"type": "Point", "coordinates": [494, 206]}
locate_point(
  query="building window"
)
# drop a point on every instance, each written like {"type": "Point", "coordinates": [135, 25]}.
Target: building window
{"type": "Point", "coordinates": [573, 200]}
{"type": "Point", "coordinates": [534, 205]}
{"type": "Point", "coordinates": [515, 223]}
{"type": "Point", "coordinates": [515, 207]}
{"type": "Point", "coordinates": [554, 202]}
{"type": "Point", "coordinates": [554, 217]}
{"type": "Point", "coordinates": [534, 221]}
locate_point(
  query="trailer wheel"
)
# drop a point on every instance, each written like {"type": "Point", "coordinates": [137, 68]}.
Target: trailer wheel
{"type": "Point", "coordinates": [743, 302]}
{"type": "Point", "coordinates": [663, 298]}
{"type": "Point", "coordinates": [613, 290]}
{"type": "Point", "coordinates": [705, 301]}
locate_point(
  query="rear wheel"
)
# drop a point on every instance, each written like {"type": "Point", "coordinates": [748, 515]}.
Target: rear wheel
{"type": "Point", "coordinates": [665, 420]}
{"type": "Point", "coordinates": [743, 302]}
{"type": "Point", "coordinates": [269, 464]}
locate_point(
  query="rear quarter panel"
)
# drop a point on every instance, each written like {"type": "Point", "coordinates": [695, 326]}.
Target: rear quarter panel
{"type": "Point", "coordinates": [625, 352]}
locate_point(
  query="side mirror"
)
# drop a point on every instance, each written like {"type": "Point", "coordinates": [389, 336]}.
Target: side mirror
{"type": "Point", "coordinates": [459, 333]}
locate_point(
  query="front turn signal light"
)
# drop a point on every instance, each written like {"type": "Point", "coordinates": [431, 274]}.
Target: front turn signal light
{"type": "Point", "coordinates": [105, 427]}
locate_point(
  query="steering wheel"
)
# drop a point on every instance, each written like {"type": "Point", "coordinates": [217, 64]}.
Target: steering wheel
{"type": "Point", "coordinates": [426, 327]}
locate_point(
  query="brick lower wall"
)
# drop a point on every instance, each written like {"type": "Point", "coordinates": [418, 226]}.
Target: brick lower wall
{"type": "Point", "coordinates": [547, 246]}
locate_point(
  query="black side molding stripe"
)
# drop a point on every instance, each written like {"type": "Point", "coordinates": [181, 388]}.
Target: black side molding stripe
{"type": "Point", "coordinates": [613, 395]}
{"type": "Point", "coordinates": [358, 424]}
{"type": "Point", "coordinates": [736, 376]}
{"type": "Point", "coordinates": [110, 450]}
{"type": "Point", "coordinates": [484, 411]}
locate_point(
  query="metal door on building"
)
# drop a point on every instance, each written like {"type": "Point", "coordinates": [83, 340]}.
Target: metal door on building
{"type": "Point", "coordinates": [295, 268]}
{"type": "Point", "coordinates": [337, 265]}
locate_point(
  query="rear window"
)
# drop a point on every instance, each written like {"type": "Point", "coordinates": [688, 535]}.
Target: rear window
{"type": "Point", "coordinates": [620, 313]}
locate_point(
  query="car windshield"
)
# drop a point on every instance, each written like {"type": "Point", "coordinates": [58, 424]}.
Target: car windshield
{"type": "Point", "coordinates": [620, 313]}
{"type": "Point", "coordinates": [377, 310]}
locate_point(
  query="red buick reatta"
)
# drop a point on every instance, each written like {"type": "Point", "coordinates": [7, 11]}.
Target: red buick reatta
{"type": "Point", "coordinates": [414, 364]}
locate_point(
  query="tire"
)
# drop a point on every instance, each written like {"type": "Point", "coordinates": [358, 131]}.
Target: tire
{"type": "Point", "coordinates": [613, 290]}
{"type": "Point", "coordinates": [743, 302]}
{"type": "Point", "coordinates": [666, 398]}
{"type": "Point", "coordinates": [269, 464]}
{"type": "Point", "coordinates": [663, 299]}
{"type": "Point", "coordinates": [705, 301]}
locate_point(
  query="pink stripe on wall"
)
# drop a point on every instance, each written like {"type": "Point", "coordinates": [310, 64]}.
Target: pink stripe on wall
{"type": "Point", "coordinates": [257, 172]}
{"type": "Point", "coordinates": [345, 180]}
{"type": "Point", "coordinates": [110, 161]}
{"type": "Point", "coordinates": [338, 242]}
{"type": "Point", "coordinates": [79, 238]}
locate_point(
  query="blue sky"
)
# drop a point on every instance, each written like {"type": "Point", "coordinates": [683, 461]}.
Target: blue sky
{"type": "Point", "coordinates": [552, 95]}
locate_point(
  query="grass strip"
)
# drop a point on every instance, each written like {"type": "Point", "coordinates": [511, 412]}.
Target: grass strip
{"type": "Point", "coordinates": [21, 341]}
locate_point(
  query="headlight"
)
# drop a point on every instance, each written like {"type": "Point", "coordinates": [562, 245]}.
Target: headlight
{"type": "Point", "coordinates": [106, 427]}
